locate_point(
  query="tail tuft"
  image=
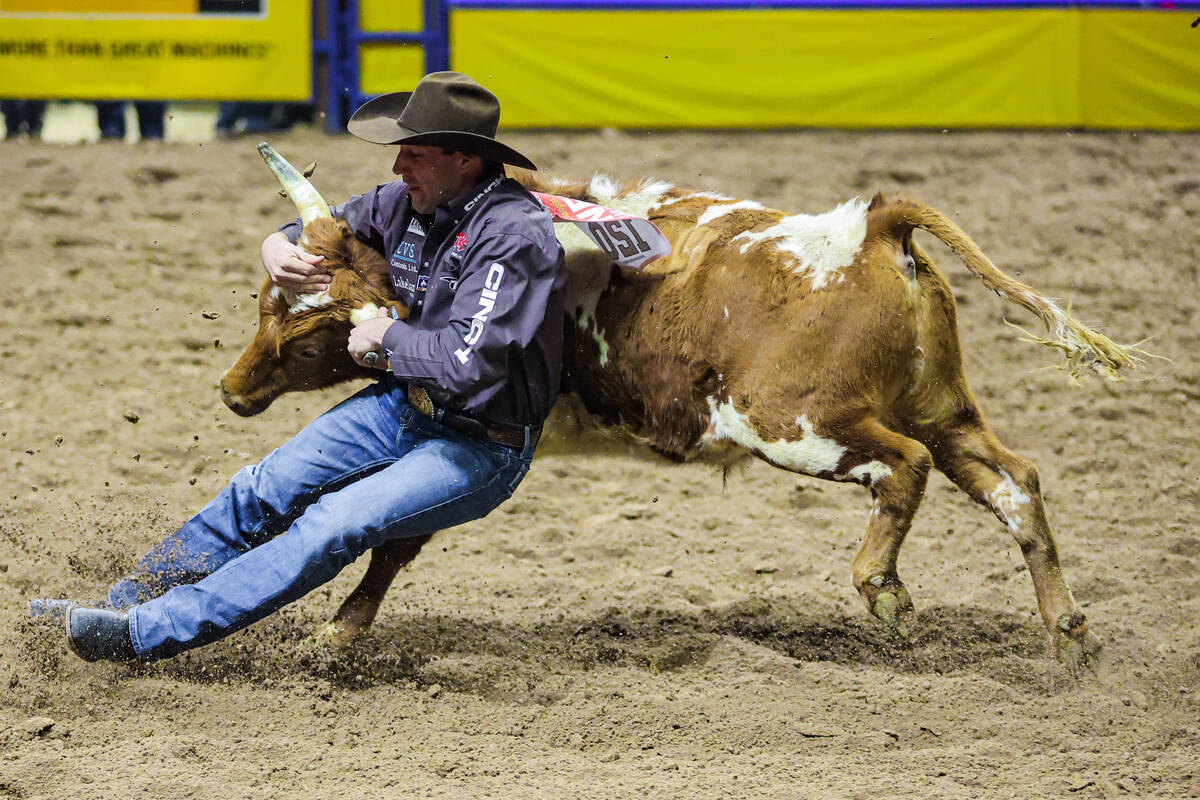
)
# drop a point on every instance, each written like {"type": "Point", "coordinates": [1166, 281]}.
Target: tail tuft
{"type": "Point", "coordinates": [1083, 349]}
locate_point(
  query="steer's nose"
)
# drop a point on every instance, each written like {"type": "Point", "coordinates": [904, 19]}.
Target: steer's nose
{"type": "Point", "coordinates": [237, 405]}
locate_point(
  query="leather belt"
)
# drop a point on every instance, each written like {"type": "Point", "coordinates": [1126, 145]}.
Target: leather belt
{"type": "Point", "coordinates": [513, 436]}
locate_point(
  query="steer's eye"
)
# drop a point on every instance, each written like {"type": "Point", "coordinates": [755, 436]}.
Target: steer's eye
{"type": "Point", "coordinates": [310, 352]}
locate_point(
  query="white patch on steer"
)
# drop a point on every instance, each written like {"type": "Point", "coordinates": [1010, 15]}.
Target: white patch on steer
{"type": "Point", "coordinates": [587, 270]}
{"type": "Point", "coordinates": [302, 302]}
{"type": "Point", "coordinates": [918, 362]}
{"type": "Point", "coordinates": [598, 337]}
{"type": "Point", "coordinates": [557, 182]}
{"type": "Point", "coordinates": [870, 473]}
{"type": "Point", "coordinates": [588, 274]}
{"type": "Point", "coordinates": [713, 212]}
{"type": "Point", "coordinates": [822, 245]}
{"type": "Point", "coordinates": [812, 454]}
{"type": "Point", "coordinates": [644, 198]}
{"type": "Point", "coordinates": [602, 187]}
{"type": "Point", "coordinates": [573, 240]}
{"type": "Point", "coordinates": [1008, 499]}
{"type": "Point", "coordinates": [305, 302]}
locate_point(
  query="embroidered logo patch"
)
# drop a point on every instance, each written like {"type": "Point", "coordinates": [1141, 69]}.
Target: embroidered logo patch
{"type": "Point", "coordinates": [460, 243]}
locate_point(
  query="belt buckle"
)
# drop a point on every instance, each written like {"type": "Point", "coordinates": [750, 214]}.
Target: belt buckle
{"type": "Point", "coordinates": [420, 400]}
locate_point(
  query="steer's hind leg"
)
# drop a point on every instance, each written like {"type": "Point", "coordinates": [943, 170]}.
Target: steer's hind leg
{"type": "Point", "coordinates": [971, 456]}
{"type": "Point", "coordinates": [895, 468]}
{"type": "Point", "coordinates": [358, 610]}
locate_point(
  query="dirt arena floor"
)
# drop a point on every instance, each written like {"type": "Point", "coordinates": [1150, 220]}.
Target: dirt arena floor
{"type": "Point", "coordinates": [622, 627]}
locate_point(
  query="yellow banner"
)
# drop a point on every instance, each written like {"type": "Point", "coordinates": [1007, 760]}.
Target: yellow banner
{"type": "Point", "coordinates": [1140, 70]}
{"type": "Point", "coordinates": [102, 6]}
{"type": "Point", "coordinates": [156, 49]}
{"type": "Point", "coordinates": [776, 68]}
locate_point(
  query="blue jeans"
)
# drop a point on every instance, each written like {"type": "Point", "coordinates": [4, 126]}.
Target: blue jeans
{"type": "Point", "coordinates": [371, 469]}
{"type": "Point", "coordinates": [110, 116]}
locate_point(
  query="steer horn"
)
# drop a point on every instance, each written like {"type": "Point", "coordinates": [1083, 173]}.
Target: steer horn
{"type": "Point", "coordinates": [307, 199]}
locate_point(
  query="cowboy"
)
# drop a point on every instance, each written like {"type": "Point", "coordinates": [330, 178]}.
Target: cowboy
{"type": "Point", "coordinates": [443, 437]}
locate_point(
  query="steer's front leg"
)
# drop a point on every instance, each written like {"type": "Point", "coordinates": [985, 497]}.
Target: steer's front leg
{"type": "Point", "coordinates": [358, 611]}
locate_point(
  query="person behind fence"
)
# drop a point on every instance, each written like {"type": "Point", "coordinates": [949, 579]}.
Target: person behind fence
{"type": "Point", "coordinates": [151, 117]}
{"type": "Point", "coordinates": [250, 118]}
{"type": "Point", "coordinates": [377, 466]}
{"type": "Point", "coordinates": [23, 117]}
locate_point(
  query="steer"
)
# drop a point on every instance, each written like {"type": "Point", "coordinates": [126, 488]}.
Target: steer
{"type": "Point", "coordinates": [825, 345]}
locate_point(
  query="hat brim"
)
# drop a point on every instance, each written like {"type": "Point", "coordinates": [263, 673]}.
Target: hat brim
{"type": "Point", "coordinates": [376, 121]}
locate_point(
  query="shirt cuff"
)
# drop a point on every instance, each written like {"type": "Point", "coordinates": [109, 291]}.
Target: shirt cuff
{"type": "Point", "coordinates": [406, 365]}
{"type": "Point", "coordinates": [292, 230]}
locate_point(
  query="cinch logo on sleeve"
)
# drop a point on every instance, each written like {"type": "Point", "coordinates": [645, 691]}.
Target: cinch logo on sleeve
{"type": "Point", "coordinates": [487, 302]}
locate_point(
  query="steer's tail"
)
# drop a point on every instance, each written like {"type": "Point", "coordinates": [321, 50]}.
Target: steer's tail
{"type": "Point", "coordinates": [1081, 346]}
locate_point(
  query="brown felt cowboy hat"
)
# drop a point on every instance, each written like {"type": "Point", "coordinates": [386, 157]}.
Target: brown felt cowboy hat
{"type": "Point", "coordinates": [447, 109]}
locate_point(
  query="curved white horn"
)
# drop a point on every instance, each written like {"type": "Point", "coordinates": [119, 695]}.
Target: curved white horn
{"type": "Point", "coordinates": [307, 199]}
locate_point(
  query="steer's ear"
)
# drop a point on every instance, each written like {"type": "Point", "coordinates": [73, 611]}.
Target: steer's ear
{"type": "Point", "coordinates": [346, 284]}
{"type": "Point", "coordinates": [328, 238]}
{"type": "Point", "coordinates": [272, 301]}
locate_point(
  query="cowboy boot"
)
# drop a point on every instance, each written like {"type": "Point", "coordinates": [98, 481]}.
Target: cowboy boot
{"type": "Point", "coordinates": [96, 634]}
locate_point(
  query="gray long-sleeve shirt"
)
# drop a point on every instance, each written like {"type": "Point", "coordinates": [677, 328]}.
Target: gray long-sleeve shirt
{"type": "Point", "coordinates": [484, 278]}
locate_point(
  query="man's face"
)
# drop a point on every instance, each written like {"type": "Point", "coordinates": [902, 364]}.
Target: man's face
{"type": "Point", "coordinates": [433, 177]}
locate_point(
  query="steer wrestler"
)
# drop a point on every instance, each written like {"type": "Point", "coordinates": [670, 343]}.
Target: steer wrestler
{"type": "Point", "coordinates": [443, 437]}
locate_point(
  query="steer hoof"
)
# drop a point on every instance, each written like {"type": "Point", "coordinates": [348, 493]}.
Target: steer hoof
{"type": "Point", "coordinates": [1077, 648]}
{"type": "Point", "coordinates": [891, 603]}
{"type": "Point", "coordinates": [333, 634]}
{"type": "Point", "coordinates": [323, 636]}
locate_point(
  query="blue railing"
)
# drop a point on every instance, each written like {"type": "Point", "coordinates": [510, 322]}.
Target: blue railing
{"type": "Point", "coordinates": [341, 49]}
{"type": "Point", "coordinates": [326, 53]}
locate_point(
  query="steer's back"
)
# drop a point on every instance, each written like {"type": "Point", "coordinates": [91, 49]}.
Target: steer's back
{"type": "Point", "coordinates": [781, 315]}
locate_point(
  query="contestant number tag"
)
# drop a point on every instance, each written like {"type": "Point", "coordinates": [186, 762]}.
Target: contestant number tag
{"type": "Point", "coordinates": [619, 239]}
{"type": "Point", "coordinates": [631, 242]}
